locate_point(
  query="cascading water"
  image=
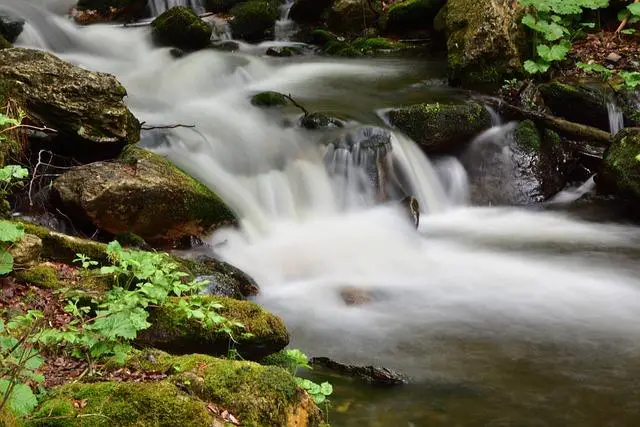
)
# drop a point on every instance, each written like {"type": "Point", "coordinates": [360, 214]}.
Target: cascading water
{"type": "Point", "coordinates": [285, 26]}
{"type": "Point", "coordinates": [159, 6]}
{"type": "Point", "coordinates": [535, 312]}
{"type": "Point", "coordinates": [616, 117]}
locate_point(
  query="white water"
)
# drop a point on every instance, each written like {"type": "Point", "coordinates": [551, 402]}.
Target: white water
{"type": "Point", "coordinates": [285, 27]}
{"type": "Point", "coordinates": [616, 117]}
{"type": "Point", "coordinates": [159, 6]}
{"type": "Point", "coordinates": [502, 273]}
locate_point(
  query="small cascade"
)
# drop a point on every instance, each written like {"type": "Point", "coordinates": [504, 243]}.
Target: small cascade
{"type": "Point", "coordinates": [616, 117]}
{"type": "Point", "coordinates": [159, 6]}
{"type": "Point", "coordinates": [221, 28]}
{"type": "Point", "coordinates": [572, 194]}
{"type": "Point", "coordinates": [285, 27]}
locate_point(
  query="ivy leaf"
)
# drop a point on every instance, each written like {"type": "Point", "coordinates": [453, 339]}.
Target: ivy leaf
{"type": "Point", "coordinates": [6, 262]}
{"type": "Point", "coordinates": [22, 399]}
{"type": "Point", "coordinates": [10, 232]}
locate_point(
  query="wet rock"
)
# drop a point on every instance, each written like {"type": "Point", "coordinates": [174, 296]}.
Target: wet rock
{"type": "Point", "coordinates": [441, 128]}
{"type": "Point", "coordinates": [171, 331]}
{"type": "Point", "coordinates": [225, 279]}
{"type": "Point", "coordinates": [180, 27]}
{"type": "Point", "coordinates": [309, 11]}
{"type": "Point", "coordinates": [408, 15]}
{"type": "Point", "coordinates": [254, 20]}
{"type": "Point", "coordinates": [26, 251]}
{"type": "Point", "coordinates": [283, 52]}
{"type": "Point", "coordinates": [10, 27]}
{"type": "Point", "coordinates": [349, 16]}
{"type": "Point", "coordinates": [315, 121]}
{"type": "Point", "coordinates": [226, 46]}
{"type": "Point", "coordinates": [85, 107]}
{"type": "Point", "coordinates": [412, 207]}
{"type": "Point", "coordinates": [485, 40]}
{"type": "Point", "coordinates": [269, 99]}
{"type": "Point", "coordinates": [372, 375]}
{"type": "Point", "coordinates": [577, 103]}
{"type": "Point", "coordinates": [96, 11]}
{"type": "Point", "coordinates": [620, 172]}
{"type": "Point", "coordinates": [141, 193]}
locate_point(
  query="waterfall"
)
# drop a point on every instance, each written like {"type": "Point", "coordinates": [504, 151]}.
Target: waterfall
{"type": "Point", "coordinates": [285, 27]}
{"type": "Point", "coordinates": [159, 6]}
{"type": "Point", "coordinates": [616, 116]}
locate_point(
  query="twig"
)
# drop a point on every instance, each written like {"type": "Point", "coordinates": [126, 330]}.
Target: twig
{"type": "Point", "coordinates": [165, 126]}
{"type": "Point", "coordinates": [625, 21]}
{"type": "Point", "coordinates": [293, 101]}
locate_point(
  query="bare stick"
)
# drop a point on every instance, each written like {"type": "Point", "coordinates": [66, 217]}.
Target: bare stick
{"type": "Point", "coordinates": [293, 101]}
{"type": "Point", "coordinates": [165, 127]}
{"type": "Point", "coordinates": [625, 21]}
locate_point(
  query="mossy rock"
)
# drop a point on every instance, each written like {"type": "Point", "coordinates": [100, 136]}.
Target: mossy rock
{"type": "Point", "coordinates": [122, 404]}
{"type": "Point", "coordinates": [309, 11]}
{"type": "Point", "coordinates": [254, 20]}
{"type": "Point", "coordinates": [10, 27]}
{"type": "Point", "coordinates": [269, 99]}
{"type": "Point", "coordinates": [173, 332]}
{"type": "Point", "coordinates": [441, 128]}
{"type": "Point", "coordinates": [316, 121]}
{"type": "Point", "coordinates": [349, 17]}
{"type": "Point", "coordinates": [257, 395]}
{"type": "Point", "coordinates": [620, 172]}
{"type": "Point", "coordinates": [485, 41]}
{"type": "Point", "coordinates": [377, 45]}
{"type": "Point", "coordinates": [26, 252]}
{"type": "Point", "coordinates": [409, 15]}
{"type": "Point", "coordinates": [142, 193]}
{"type": "Point", "coordinates": [180, 27]}
{"type": "Point", "coordinates": [577, 103]}
{"type": "Point", "coordinates": [527, 136]}
{"type": "Point", "coordinates": [4, 44]}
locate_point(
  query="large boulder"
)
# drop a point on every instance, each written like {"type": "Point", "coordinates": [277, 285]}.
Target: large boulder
{"type": "Point", "coordinates": [141, 193]}
{"type": "Point", "coordinates": [309, 11]}
{"type": "Point", "coordinates": [180, 27]}
{"type": "Point", "coordinates": [485, 41]}
{"type": "Point", "coordinates": [85, 107]}
{"type": "Point", "coordinates": [171, 331]}
{"type": "Point", "coordinates": [577, 103]}
{"type": "Point", "coordinates": [410, 15]}
{"type": "Point", "coordinates": [441, 128]}
{"type": "Point", "coordinates": [10, 27]}
{"type": "Point", "coordinates": [350, 17]}
{"type": "Point", "coordinates": [95, 11]}
{"type": "Point", "coordinates": [620, 172]}
{"type": "Point", "coordinates": [254, 20]}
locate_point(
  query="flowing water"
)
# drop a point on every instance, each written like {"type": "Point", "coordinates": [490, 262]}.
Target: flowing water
{"type": "Point", "coordinates": [501, 316]}
{"type": "Point", "coordinates": [616, 117]}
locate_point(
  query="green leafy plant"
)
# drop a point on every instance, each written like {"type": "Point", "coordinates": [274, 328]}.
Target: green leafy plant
{"type": "Point", "coordinates": [294, 360]}
{"type": "Point", "coordinates": [106, 327]}
{"type": "Point", "coordinates": [19, 362]}
{"type": "Point", "coordinates": [9, 234]}
{"type": "Point", "coordinates": [601, 70]}
{"type": "Point", "coordinates": [555, 24]}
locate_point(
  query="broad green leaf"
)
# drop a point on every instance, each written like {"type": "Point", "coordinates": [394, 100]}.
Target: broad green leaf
{"type": "Point", "coordinates": [554, 53]}
{"type": "Point", "coordinates": [10, 232]}
{"type": "Point", "coordinates": [6, 262]}
{"type": "Point", "coordinates": [6, 121]}
{"type": "Point", "coordinates": [22, 399]}
{"type": "Point", "coordinates": [533, 67]}
{"type": "Point", "coordinates": [634, 8]}
{"type": "Point", "coordinates": [326, 388]}
{"type": "Point", "coordinates": [319, 399]}
{"type": "Point", "coordinates": [529, 21]}
{"type": "Point", "coordinates": [629, 31]}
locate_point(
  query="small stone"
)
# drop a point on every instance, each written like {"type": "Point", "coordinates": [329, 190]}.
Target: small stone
{"type": "Point", "coordinates": [613, 58]}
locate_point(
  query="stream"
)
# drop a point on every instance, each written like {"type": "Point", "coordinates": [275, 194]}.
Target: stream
{"type": "Point", "coordinates": [499, 315]}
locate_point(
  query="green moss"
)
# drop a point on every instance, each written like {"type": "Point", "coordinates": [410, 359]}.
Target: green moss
{"type": "Point", "coordinates": [180, 27]}
{"type": "Point", "coordinates": [7, 419]}
{"type": "Point", "coordinates": [254, 20]}
{"type": "Point", "coordinates": [269, 99]}
{"type": "Point", "coordinates": [527, 136]}
{"type": "Point", "coordinates": [43, 276]}
{"type": "Point", "coordinates": [321, 37]}
{"type": "Point", "coordinates": [621, 165]}
{"type": "Point", "coordinates": [122, 404]}
{"type": "Point", "coordinates": [4, 44]}
{"type": "Point", "coordinates": [576, 103]}
{"type": "Point", "coordinates": [173, 332]}
{"type": "Point", "coordinates": [440, 20]}
{"type": "Point", "coordinates": [408, 15]}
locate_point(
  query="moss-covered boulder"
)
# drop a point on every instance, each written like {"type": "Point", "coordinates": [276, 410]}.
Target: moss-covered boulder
{"type": "Point", "coordinates": [410, 15]}
{"type": "Point", "coordinates": [620, 172]}
{"type": "Point", "coordinates": [439, 128]}
{"type": "Point", "coordinates": [577, 103]}
{"type": "Point", "coordinates": [180, 27]}
{"type": "Point", "coordinates": [122, 404]}
{"type": "Point", "coordinates": [257, 395]}
{"type": "Point", "coordinates": [269, 99]}
{"type": "Point", "coordinates": [485, 41]}
{"type": "Point", "coordinates": [350, 17]}
{"type": "Point", "coordinates": [141, 193]}
{"type": "Point", "coordinates": [173, 332]}
{"type": "Point", "coordinates": [309, 11]}
{"type": "Point", "coordinates": [85, 107]}
{"type": "Point", "coordinates": [10, 27]}
{"type": "Point", "coordinates": [254, 20]}
{"type": "Point", "coordinates": [95, 11]}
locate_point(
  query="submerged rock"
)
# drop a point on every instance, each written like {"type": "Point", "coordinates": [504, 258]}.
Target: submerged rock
{"type": "Point", "coordinates": [441, 128]}
{"type": "Point", "coordinates": [409, 15]}
{"type": "Point", "coordinates": [180, 27]}
{"type": "Point", "coordinates": [171, 331]}
{"type": "Point", "coordinates": [309, 11]}
{"type": "Point", "coordinates": [254, 20]}
{"type": "Point", "coordinates": [373, 375]}
{"type": "Point", "coordinates": [577, 103]}
{"type": "Point", "coordinates": [83, 106]}
{"type": "Point", "coordinates": [620, 172]}
{"type": "Point", "coordinates": [485, 41]}
{"type": "Point", "coordinates": [141, 193]}
{"type": "Point", "coordinates": [10, 27]}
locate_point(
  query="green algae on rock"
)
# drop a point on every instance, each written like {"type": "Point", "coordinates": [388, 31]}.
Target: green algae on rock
{"type": "Point", "coordinates": [269, 99]}
{"type": "Point", "coordinates": [485, 41]}
{"type": "Point", "coordinates": [116, 197]}
{"type": "Point", "coordinates": [86, 106]}
{"type": "Point", "coordinates": [254, 20]}
{"type": "Point", "coordinates": [620, 172]}
{"type": "Point", "coordinates": [172, 332]}
{"type": "Point", "coordinates": [527, 136]}
{"type": "Point", "coordinates": [439, 128]}
{"type": "Point", "coordinates": [180, 27]}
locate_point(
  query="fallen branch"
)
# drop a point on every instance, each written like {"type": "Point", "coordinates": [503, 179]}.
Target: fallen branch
{"type": "Point", "coordinates": [570, 130]}
{"type": "Point", "coordinates": [293, 101]}
{"type": "Point", "coordinates": [164, 127]}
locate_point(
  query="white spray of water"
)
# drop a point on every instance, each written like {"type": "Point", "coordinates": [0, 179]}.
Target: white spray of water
{"type": "Point", "coordinates": [616, 117]}
{"type": "Point", "coordinates": [285, 27]}
{"type": "Point", "coordinates": [304, 246]}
